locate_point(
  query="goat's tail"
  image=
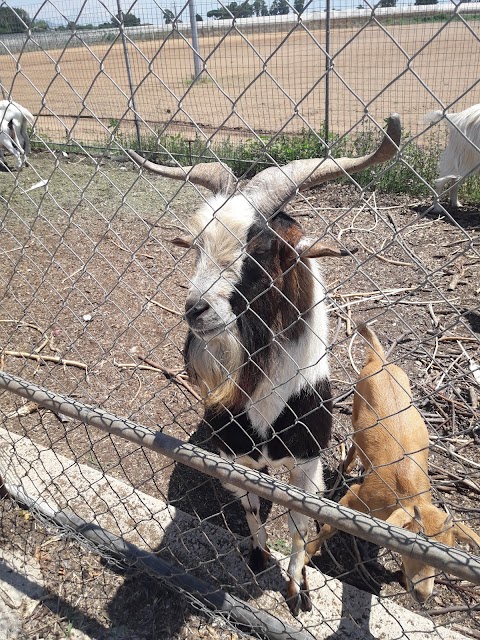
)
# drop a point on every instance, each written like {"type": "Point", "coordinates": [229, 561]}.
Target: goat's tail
{"type": "Point", "coordinates": [374, 348]}
{"type": "Point", "coordinates": [432, 117]}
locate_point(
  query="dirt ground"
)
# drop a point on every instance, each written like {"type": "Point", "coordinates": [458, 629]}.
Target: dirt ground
{"type": "Point", "coordinates": [87, 274]}
{"type": "Point", "coordinates": [262, 82]}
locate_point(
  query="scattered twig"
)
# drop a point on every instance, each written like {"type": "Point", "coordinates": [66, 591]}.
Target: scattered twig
{"type": "Point", "coordinates": [12, 250]}
{"type": "Point", "coordinates": [41, 346]}
{"type": "Point", "coordinates": [456, 279]}
{"type": "Point", "coordinates": [364, 294]}
{"type": "Point", "coordinates": [458, 338]}
{"type": "Point", "coordinates": [466, 631]}
{"type": "Point", "coordinates": [396, 342]}
{"type": "Point", "coordinates": [435, 320]}
{"type": "Point", "coordinates": [432, 362]}
{"type": "Point", "coordinates": [24, 410]}
{"type": "Point", "coordinates": [423, 302]}
{"type": "Point", "coordinates": [40, 358]}
{"type": "Point", "coordinates": [157, 304]}
{"type": "Point", "coordinates": [73, 274]}
{"type": "Point", "coordinates": [8, 601]}
{"type": "Point", "coordinates": [456, 479]}
{"type": "Point", "coordinates": [139, 387]}
{"type": "Point", "coordinates": [19, 323]}
{"type": "Point", "coordinates": [473, 397]}
{"type": "Point", "coordinates": [168, 373]}
{"type": "Point", "coordinates": [439, 612]}
{"type": "Point", "coordinates": [399, 263]}
{"type": "Point", "coordinates": [456, 456]}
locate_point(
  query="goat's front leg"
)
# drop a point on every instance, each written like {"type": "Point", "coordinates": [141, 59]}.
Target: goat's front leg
{"type": "Point", "coordinates": [309, 477]}
{"type": "Point", "coordinates": [350, 500]}
{"type": "Point", "coordinates": [259, 552]}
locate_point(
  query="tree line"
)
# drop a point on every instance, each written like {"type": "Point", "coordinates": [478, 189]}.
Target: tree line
{"type": "Point", "coordinates": [16, 20]}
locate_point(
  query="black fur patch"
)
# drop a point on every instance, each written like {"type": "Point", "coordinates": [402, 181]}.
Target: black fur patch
{"type": "Point", "coordinates": [300, 431]}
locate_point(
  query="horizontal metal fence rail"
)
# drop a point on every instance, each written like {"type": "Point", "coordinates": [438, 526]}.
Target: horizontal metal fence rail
{"type": "Point", "coordinates": [455, 561]}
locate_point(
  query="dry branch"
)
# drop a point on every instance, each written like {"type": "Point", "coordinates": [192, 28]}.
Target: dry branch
{"type": "Point", "coordinates": [458, 338]}
{"type": "Point", "coordinates": [19, 323]}
{"type": "Point", "coordinates": [42, 358]}
{"type": "Point", "coordinates": [157, 304]}
{"type": "Point", "coordinates": [399, 263]}
{"type": "Point", "coordinates": [172, 375]}
{"type": "Point", "coordinates": [456, 279]}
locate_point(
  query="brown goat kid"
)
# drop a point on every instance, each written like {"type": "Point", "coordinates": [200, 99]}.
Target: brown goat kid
{"type": "Point", "coordinates": [392, 443]}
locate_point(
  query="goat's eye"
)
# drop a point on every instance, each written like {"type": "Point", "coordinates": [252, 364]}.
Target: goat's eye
{"type": "Point", "coordinates": [259, 255]}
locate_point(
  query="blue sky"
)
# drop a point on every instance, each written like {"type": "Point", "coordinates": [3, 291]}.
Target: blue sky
{"type": "Point", "coordinates": [96, 11]}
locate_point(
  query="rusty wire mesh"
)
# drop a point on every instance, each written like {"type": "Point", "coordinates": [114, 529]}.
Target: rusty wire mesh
{"type": "Point", "coordinates": [93, 295]}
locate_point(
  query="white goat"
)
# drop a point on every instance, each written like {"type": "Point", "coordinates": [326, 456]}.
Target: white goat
{"type": "Point", "coordinates": [461, 157]}
{"type": "Point", "coordinates": [258, 336]}
{"type": "Point", "coordinates": [13, 131]}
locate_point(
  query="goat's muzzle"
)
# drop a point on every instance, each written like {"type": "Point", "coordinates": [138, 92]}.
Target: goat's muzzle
{"type": "Point", "coordinates": [194, 308]}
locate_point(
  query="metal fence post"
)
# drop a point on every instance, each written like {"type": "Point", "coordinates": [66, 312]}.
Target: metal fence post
{"type": "Point", "coordinates": [131, 102]}
{"type": "Point", "coordinates": [197, 63]}
{"type": "Point", "coordinates": [328, 66]}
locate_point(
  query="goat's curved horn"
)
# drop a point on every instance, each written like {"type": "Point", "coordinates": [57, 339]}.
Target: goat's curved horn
{"type": "Point", "coordinates": [215, 176]}
{"type": "Point", "coordinates": [270, 189]}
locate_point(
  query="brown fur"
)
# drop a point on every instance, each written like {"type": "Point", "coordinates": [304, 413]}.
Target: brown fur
{"type": "Point", "coordinates": [392, 442]}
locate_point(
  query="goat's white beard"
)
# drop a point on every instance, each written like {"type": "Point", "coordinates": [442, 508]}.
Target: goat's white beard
{"type": "Point", "coordinates": [217, 365]}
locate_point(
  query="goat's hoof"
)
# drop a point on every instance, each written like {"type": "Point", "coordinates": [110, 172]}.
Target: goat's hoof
{"type": "Point", "coordinates": [299, 598]}
{"type": "Point", "coordinates": [305, 601]}
{"type": "Point", "coordinates": [294, 604]}
{"type": "Point", "coordinates": [299, 601]}
{"type": "Point", "coordinates": [259, 559]}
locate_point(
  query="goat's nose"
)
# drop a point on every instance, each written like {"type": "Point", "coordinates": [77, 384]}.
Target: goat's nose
{"type": "Point", "coordinates": [194, 308]}
{"type": "Point", "coordinates": [420, 596]}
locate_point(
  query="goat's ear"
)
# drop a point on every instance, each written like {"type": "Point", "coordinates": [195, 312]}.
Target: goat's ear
{"type": "Point", "coordinates": [418, 517]}
{"type": "Point", "coordinates": [182, 241]}
{"type": "Point", "coordinates": [308, 248]}
{"type": "Point", "coordinates": [400, 518]}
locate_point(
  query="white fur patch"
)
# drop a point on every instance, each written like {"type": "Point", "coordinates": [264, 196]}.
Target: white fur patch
{"type": "Point", "coordinates": [298, 365]}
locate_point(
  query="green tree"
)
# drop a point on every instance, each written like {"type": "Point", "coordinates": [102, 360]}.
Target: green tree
{"type": "Point", "coordinates": [299, 5]}
{"type": "Point", "coordinates": [260, 8]}
{"type": "Point", "coordinates": [383, 4]}
{"type": "Point", "coordinates": [235, 10]}
{"type": "Point", "coordinates": [169, 16]}
{"type": "Point", "coordinates": [217, 14]}
{"type": "Point", "coordinates": [40, 25]}
{"type": "Point", "coordinates": [13, 20]}
{"type": "Point", "coordinates": [129, 20]}
{"type": "Point", "coordinates": [198, 18]}
{"type": "Point", "coordinates": [418, 2]}
{"type": "Point", "coordinates": [279, 8]}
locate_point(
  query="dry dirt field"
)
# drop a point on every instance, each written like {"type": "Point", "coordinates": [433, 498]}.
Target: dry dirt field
{"type": "Point", "coordinates": [260, 82]}
{"type": "Point", "coordinates": [87, 274]}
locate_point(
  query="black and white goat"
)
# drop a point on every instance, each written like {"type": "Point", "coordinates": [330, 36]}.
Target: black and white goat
{"type": "Point", "coordinates": [258, 335]}
{"type": "Point", "coordinates": [461, 157]}
{"type": "Point", "coordinates": [13, 131]}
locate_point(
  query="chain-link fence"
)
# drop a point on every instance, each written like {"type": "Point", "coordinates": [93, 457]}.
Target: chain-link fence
{"type": "Point", "coordinates": [104, 447]}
